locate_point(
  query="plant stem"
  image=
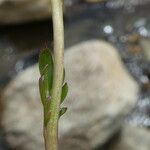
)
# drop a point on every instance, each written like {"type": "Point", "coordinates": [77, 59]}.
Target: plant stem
{"type": "Point", "coordinates": [51, 130]}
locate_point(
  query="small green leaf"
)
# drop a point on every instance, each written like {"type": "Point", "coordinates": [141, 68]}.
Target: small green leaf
{"type": "Point", "coordinates": [44, 86]}
{"type": "Point", "coordinates": [46, 66]}
{"type": "Point", "coordinates": [62, 111]}
{"type": "Point", "coordinates": [46, 81]}
{"type": "Point", "coordinates": [64, 92]}
{"type": "Point", "coordinates": [45, 58]}
{"type": "Point", "coordinates": [42, 90]}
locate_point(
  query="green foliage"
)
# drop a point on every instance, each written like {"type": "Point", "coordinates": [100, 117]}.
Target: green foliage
{"type": "Point", "coordinates": [62, 111]}
{"type": "Point", "coordinates": [64, 92]}
{"type": "Point", "coordinates": [46, 68]}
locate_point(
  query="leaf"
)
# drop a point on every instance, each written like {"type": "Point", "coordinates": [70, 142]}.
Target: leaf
{"type": "Point", "coordinates": [62, 111]}
{"type": "Point", "coordinates": [42, 90]}
{"type": "Point", "coordinates": [46, 66]}
{"type": "Point", "coordinates": [46, 81]}
{"type": "Point", "coordinates": [45, 58]}
{"type": "Point", "coordinates": [44, 86]}
{"type": "Point", "coordinates": [64, 92]}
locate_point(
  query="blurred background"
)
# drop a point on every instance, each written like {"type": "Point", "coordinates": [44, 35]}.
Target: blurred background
{"type": "Point", "coordinates": [119, 123]}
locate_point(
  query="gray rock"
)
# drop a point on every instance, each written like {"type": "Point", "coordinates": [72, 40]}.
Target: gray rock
{"type": "Point", "coordinates": [132, 138]}
{"type": "Point", "coordinates": [128, 4]}
{"type": "Point", "coordinates": [94, 1]}
{"type": "Point", "coordinates": [16, 11]}
{"type": "Point", "coordinates": [145, 43]}
{"type": "Point", "coordinates": [20, 11]}
{"type": "Point", "coordinates": [101, 93]}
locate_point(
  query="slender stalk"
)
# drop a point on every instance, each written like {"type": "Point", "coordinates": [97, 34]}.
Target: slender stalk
{"type": "Point", "coordinates": [51, 130]}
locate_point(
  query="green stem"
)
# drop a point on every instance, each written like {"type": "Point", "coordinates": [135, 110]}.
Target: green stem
{"type": "Point", "coordinates": [51, 130]}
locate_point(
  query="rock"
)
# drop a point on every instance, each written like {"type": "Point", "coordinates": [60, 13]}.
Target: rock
{"type": "Point", "coordinates": [94, 1]}
{"type": "Point", "coordinates": [145, 43]}
{"type": "Point", "coordinates": [126, 3]}
{"type": "Point", "coordinates": [22, 118]}
{"type": "Point", "coordinates": [19, 11]}
{"type": "Point", "coordinates": [101, 93]}
{"type": "Point", "coordinates": [132, 138]}
{"type": "Point", "coordinates": [122, 2]}
{"type": "Point", "coordinates": [90, 69]}
{"type": "Point", "coordinates": [16, 11]}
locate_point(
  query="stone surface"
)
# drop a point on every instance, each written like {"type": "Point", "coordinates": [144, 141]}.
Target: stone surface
{"type": "Point", "coordinates": [101, 93]}
{"type": "Point", "coordinates": [19, 11]}
{"type": "Point", "coordinates": [16, 11]}
{"type": "Point", "coordinates": [145, 43]}
{"type": "Point", "coordinates": [94, 1]}
{"type": "Point", "coordinates": [126, 3]}
{"type": "Point", "coordinates": [132, 138]}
